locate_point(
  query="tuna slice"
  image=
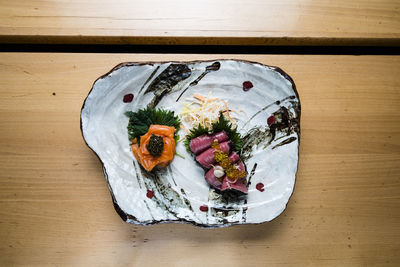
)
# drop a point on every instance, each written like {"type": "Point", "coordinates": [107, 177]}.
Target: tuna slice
{"type": "Point", "coordinates": [206, 159]}
{"type": "Point", "coordinates": [201, 143]}
{"type": "Point", "coordinates": [212, 179]}
{"type": "Point", "coordinates": [239, 185]}
{"type": "Point", "coordinates": [234, 157]}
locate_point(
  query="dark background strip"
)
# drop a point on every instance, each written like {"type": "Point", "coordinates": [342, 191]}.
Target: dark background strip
{"type": "Point", "coordinates": [203, 49]}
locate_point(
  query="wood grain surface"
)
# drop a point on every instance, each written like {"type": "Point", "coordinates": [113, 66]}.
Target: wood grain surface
{"type": "Point", "coordinates": [253, 22]}
{"type": "Point", "coordinates": [56, 210]}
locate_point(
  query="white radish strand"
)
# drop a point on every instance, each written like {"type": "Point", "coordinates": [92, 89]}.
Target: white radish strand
{"type": "Point", "coordinates": [201, 110]}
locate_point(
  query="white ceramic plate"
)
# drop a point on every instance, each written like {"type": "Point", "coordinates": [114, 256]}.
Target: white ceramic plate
{"type": "Point", "coordinates": [177, 193]}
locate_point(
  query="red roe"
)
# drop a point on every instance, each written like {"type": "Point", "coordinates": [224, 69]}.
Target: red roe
{"type": "Point", "coordinates": [128, 98]}
{"type": "Point", "coordinates": [260, 187]}
{"type": "Point", "coordinates": [150, 194]}
{"type": "Point", "coordinates": [247, 85]}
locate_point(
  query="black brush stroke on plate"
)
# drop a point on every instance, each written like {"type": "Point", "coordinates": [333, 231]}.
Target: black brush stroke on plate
{"type": "Point", "coordinates": [213, 67]}
{"type": "Point", "coordinates": [166, 80]}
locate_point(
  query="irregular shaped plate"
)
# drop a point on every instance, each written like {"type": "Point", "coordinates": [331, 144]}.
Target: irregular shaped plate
{"type": "Point", "coordinates": [179, 193]}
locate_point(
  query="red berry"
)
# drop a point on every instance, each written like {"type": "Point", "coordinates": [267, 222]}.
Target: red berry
{"type": "Point", "coordinates": [204, 208]}
{"type": "Point", "coordinates": [260, 187]}
{"type": "Point", "coordinates": [271, 120]}
{"type": "Point", "coordinates": [247, 85]}
{"type": "Point", "coordinates": [128, 98]}
{"type": "Point", "coordinates": [150, 194]}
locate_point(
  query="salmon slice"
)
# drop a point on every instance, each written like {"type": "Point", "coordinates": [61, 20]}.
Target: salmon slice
{"type": "Point", "coordinates": [143, 155]}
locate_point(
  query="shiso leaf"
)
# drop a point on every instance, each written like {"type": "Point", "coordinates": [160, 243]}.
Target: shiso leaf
{"type": "Point", "coordinates": [140, 121]}
{"type": "Point", "coordinates": [222, 124]}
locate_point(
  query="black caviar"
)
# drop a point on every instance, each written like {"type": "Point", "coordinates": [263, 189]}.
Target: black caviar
{"type": "Point", "coordinates": [155, 145]}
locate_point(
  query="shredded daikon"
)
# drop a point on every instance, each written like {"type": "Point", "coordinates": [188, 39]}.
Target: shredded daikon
{"type": "Point", "coordinates": [204, 110]}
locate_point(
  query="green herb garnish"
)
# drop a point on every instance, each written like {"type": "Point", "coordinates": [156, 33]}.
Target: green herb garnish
{"type": "Point", "coordinates": [179, 155]}
{"type": "Point", "coordinates": [140, 121]}
{"type": "Point", "coordinates": [221, 125]}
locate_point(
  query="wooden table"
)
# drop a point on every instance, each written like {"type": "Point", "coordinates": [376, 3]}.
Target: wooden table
{"type": "Point", "coordinates": [55, 208]}
{"type": "Point", "coordinates": [253, 22]}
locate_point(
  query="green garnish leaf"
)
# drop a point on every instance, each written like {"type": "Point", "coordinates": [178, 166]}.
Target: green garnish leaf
{"type": "Point", "coordinates": [222, 124]}
{"type": "Point", "coordinates": [140, 121]}
{"type": "Point", "coordinates": [179, 155]}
